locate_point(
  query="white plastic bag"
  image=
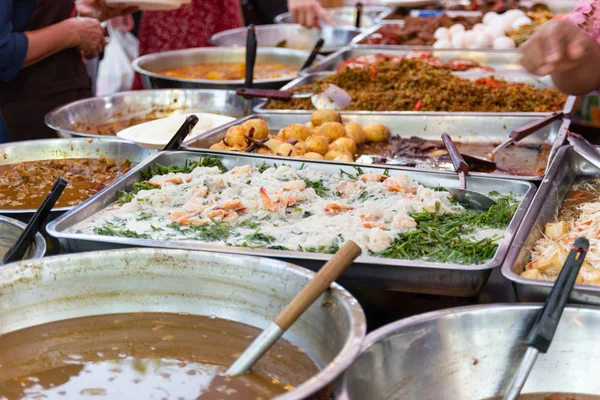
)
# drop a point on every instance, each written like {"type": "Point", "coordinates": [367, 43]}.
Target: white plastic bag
{"type": "Point", "coordinates": [115, 73]}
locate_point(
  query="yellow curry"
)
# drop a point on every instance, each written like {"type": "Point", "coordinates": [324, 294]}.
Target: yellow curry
{"type": "Point", "coordinates": [232, 71]}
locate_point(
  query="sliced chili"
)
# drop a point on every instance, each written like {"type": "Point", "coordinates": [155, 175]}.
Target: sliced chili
{"type": "Point", "coordinates": [419, 105]}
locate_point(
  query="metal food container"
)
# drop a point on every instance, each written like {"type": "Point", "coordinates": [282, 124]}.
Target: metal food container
{"type": "Point", "coordinates": [464, 129]}
{"type": "Point", "coordinates": [249, 290]}
{"type": "Point", "coordinates": [290, 36]}
{"type": "Point", "coordinates": [510, 76]}
{"type": "Point", "coordinates": [10, 230]}
{"type": "Point", "coordinates": [151, 103]}
{"type": "Point", "coordinates": [367, 271]}
{"type": "Point", "coordinates": [150, 66]}
{"type": "Point", "coordinates": [345, 16]}
{"type": "Point", "coordinates": [566, 167]}
{"type": "Point", "coordinates": [470, 353]}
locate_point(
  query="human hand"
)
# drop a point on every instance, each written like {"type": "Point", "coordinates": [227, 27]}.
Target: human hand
{"type": "Point", "coordinates": [557, 47]}
{"type": "Point", "coordinates": [308, 13]}
{"type": "Point", "coordinates": [100, 10]}
{"type": "Point", "coordinates": [89, 36]}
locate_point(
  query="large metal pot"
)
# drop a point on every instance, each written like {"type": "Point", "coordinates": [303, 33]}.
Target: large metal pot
{"type": "Point", "coordinates": [150, 66]}
{"type": "Point", "coordinates": [10, 230]}
{"type": "Point", "coordinates": [470, 353]}
{"type": "Point", "coordinates": [345, 16]}
{"type": "Point", "coordinates": [151, 104]}
{"type": "Point", "coordinates": [250, 290]}
{"type": "Point", "coordinates": [293, 36]}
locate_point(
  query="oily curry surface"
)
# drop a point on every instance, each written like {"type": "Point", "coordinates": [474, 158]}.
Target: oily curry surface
{"type": "Point", "coordinates": [24, 185]}
{"type": "Point", "coordinates": [144, 356]}
{"type": "Point", "coordinates": [232, 71]}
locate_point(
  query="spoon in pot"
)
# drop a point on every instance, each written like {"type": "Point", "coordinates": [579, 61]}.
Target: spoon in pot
{"type": "Point", "coordinates": [332, 98]}
{"type": "Point", "coordinates": [303, 300]}
{"type": "Point", "coordinates": [467, 198]}
{"type": "Point", "coordinates": [359, 10]}
{"type": "Point", "coordinates": [584, 148]}
{"type": "Point", "coordinates": [543, 330]}
{"type": "Point", "coordinates": [185, 129]}
{"type": "Point", "coordinates": [313, 54]}
{"type": "Point", "coordinates": [18, 250]}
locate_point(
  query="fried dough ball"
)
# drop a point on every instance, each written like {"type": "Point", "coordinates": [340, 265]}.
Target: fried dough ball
{"type": "Point", "coordinates": [355, 131]}
{"type": "Point", "coordinates": [235, 137]}
{"type": "Point", "coordinates": [331, 130]}
{"type": "Point", "coordinates": [320, 117]}
{"type": "Point", "coordinates": [286, 149]}
{"type": "Point", "coordinates": [219, 146]}
{"type": "Point", "coordinates": [317, 144]}
{"type": "Point", "coordinates": [273, 143]}
{"type": "Point", "coordinates": [262, 150]}
{"type": "Point", "coordinates": [376, 132]}
{"type": "Point", "coordinates": [346, 143]}
{"type": "Point", "coordinates": [336, 152]}
{"type": "Point", "coordinates": [295, 131]}
{"type": "Point", "coordinates": [313, 156]}
{"type": "Point", "coordinates": [261, 129]}
{"type": "Point", "coordinates": [309, 125]}
{"type": "Point", "coordinates": [300, 148]}
{"type": "Point", "coordinates": [344, 158]}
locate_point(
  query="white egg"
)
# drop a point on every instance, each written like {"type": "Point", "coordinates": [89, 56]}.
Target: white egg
{"type": "Point", "coordinates": [442, 33]}
{"type": "Point", "coordinates": [469, 39]}
{"type": "Point", "coordinates": [519, 22]}
{"type": "Point", "coordinates": [502, 43]}
{"type": "Point", "coordinates": [442, 44]}
{"type": "Point", "coordinates": [479, 27]}
{"type": "Point", "coordinates": [507, 24]}
{"type": "Point", "coordinates": [458, 40]}
{"type": "Point", "coordinates": [483, 40]}
{"type": "Point", "coordinates": [513, 15]}
{"type": "Point", "coordinates": [456, 28]}
{"type": "Point", "coordinates": [496, 28]}
{"type": "Point", "coordinates": [489, 17]}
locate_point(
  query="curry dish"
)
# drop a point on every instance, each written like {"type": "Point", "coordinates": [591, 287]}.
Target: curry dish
{"type": "Point", "coordinates": [411, 85]}
{"type": "Point", "coordinates": [144, 356]}
{"type": "Point", "coordinates": [24, 185]}
{"type": "Point", "coordinates": [232, 71]}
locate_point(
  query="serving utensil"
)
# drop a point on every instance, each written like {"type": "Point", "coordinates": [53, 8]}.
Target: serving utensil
{"type": "Point", "coordinates": [543, 330]}
{"type": "Point", "coordinates": [468, 198]}
{"type": "Point", "coordinates": [18, 250]}
{"type": "Point", "coordinates": [303, 300]}
{"type": "Point", "coordinates": [313, 54]}
{"type": "Point", "coordinates": [333, 97]}
{"type": "Point", "coordinates": [584, 148]}
{"type": "Point", "coordinates": [251, 45]}
{"type": "Point", "coordinates": [183, 131]}
{"type": "Point", "coordinates": [359, 10]}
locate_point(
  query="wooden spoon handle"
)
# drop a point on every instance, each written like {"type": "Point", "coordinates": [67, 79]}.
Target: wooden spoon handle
{"type": "Point", "coordinates": [460, 165]}
{"type": "Point", "coordinates": [266, 93]}
{"type": "Point", "coordinates": [320, 282]}
{"type": "Point", "coordinates": [524, 131]}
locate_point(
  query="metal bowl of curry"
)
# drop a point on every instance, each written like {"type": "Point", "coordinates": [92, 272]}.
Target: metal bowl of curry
{"type": "Point", "coordinates": [10, 230]}
{"type": "Point", "coordinates": [148, 323]}
{"type": "Point", "coordinates": [28, 169]}
{"type": "Point", "coordinates": [218, 68]}
{"type": "Point", "coordinates": [99, 117]}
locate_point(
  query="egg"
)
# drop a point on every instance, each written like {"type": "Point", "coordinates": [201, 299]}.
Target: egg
{"type": "Point", "coordinates": [502, 43]}
{"type": "Point", "coordinates": [519, 22]}
{"type": "Point", "coordinates": [458, 40]}
{"type": "Point", "coordinates": [513, 15]}
{"type": "Point", "coordinates": [496, 28]}
{"type": "Point", "coordinates": [469, 39]}
{"type": "Point", "coordinates": [442, 44]}
{"type": "Point", "coordinates": [456, 28]}
{"type": "Point", "coordinates": [478, 27]}
{"type": "Point", "coordinates": [483, 40]}
{"type": "Point", "coordinates": [489, 17]}
{"type": "Point", "coordinates": [442, 33]}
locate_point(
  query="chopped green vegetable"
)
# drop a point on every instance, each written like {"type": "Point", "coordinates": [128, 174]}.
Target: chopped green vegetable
{"type": "Point", "coordinates": [110, 229]}
{"type": "Point", "coordinates": [318, 186]}
{"type": "Point", "coordinates": [260, 237]}
{"type": "Point", "coordinates": [143, 216]}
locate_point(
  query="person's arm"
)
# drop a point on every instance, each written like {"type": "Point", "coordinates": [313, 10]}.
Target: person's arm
{"type": "Point", "coordinates": [100, 10]}
{"type": "Point", "coordinates": [582, 79]}
{"type": "Point", "coordinates": [308, 13]}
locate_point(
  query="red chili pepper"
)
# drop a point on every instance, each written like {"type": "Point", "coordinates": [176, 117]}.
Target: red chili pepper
{"type": "Point", "coordinates": [474, 5]}
{"type": "Point", "coordinates": [418, 105]}
{"type": "Point", "coordinates": [373, 71]}
{"type": "Point", "coordinates": [498, 6]}
{"type": "Point", "coordinates": [489, 82]}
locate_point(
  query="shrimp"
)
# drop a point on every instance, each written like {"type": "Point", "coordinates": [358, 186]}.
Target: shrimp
{"type": "Point", "coordinates": [347, 188]}
{"type": "Point", "coordinates": [336, 208]}
{"type": "Point", "coordinates": [231, 215]}
{"type": "Point", "coordinates": [372, 177]}
{"type": "Point", "coordinates": [240, 170]}
{"type": "Point", "coordinates": [177, 180]}
{"type": "Point", "coordinates": [216, 214]}
{"type": "Point", "coordinates": [200, 191]}
{"type": "Point", "coordinates": [179, 215]}
{"type": "Point", "coordinates": [155, 184]}
{"type": "Point", "coordinates": [235, 205]}
{"type": "Point", "coordinates": [267, 202]}
{"type": "Point", "coordinates": [294, 185]}
{"type": "Point", "coordinates": [399, 183]}
{"type": "Point", "coordinates": [403, 222]}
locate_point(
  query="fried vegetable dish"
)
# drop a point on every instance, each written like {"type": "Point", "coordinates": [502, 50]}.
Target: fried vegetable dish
{"type": "Point", "coordinates": [24, 185]}
{"type": "Point", "coordinates": [363, 61]}
{"type": "Point", "coordinates": [411, 85]}
{"type": "Point", "coordinates": [232, 71]}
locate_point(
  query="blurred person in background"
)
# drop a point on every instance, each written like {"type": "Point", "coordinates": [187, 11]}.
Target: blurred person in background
{"type": "Point", "coordinates": [304, 12]}
{"type": "Point", "coordinates": [41, 65]}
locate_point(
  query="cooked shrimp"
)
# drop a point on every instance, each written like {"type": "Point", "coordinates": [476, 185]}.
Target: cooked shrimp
{"type": "Point", "coordinates": [294, 185]}
{"type": "Point", "coordinates": [199, 222]}
{"type": "Point", "coordinates": [372, 177]}
{"type": "Point", "coordinates": [347, 188]}
{"type": "Point", "coordinates": [155, 184]}
{"type": "Point", "coordinates": [216, 214]}
{"type": "Point", "coordinates": [267, 202]}
{"type": "Point", "coordinates": [403, 222]}
{"type": "Point", "coordinates": [177, 180]}
{"type": "Point", "coordinates": [232, 205]}
{"type": "Point", "coordinates": [178, 215]}
{"type": "Point", "coordinates": [336, 208]}
{"type": "Point", "coordinates": [231, 215]}
{"type": "Point", "coordinates": [240, 170]}
{"type": "Point", "coordinates": [200, 191]}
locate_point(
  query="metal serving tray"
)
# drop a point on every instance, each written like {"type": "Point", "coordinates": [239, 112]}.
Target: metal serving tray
{"type": "Point", "coordinates": [367, 271]}
{"type": "Point", "coordinates": [346, 16]}
{"type": "Point", "coordinates": [510, 76]}
{"type": "Point", "coordinates": [498, 59]}
{"type": "Point", "coordinates": [466, 129]}
{"type": "Point", "coordinates": [567, 166]}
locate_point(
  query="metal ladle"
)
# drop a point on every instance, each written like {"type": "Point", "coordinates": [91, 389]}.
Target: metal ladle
{"type": "Point", "coordinates": [584, 148]}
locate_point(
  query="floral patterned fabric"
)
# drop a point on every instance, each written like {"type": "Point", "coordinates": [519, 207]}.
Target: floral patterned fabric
{"type": "Point", "coordinates": [586, 15]}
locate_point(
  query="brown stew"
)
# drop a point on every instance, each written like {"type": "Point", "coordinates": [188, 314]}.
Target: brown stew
{"type": "Point", "coordinates": [232, 71]}
{"type": "Point", "coordinates": [24, 185]}
{"type": "Point", "coordinates": [142, 356]}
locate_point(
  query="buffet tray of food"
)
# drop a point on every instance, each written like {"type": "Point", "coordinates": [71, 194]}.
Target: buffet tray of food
{"type": "Point", "coordinates": [562, 209]}
{"type": "Point", "coordinates": [410, 142]}
{"type": "Point", "coordinates": [414, 236]}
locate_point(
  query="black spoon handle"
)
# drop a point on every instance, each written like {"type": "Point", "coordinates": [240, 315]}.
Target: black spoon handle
{"type": "Point", "coordinates": [359, 10]}
{"type": "Point", "coordinates": [545, 326]}
{"type": "Point", "coordinates": [18, 250]}
{"type": "Point", "coordinates": [314, 53]}
{"type": "Point", "coordinates": [182, 132]}
{"type": "Point", "coordinates": [250, 56]}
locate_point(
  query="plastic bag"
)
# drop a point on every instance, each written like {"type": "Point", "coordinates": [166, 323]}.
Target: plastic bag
{"type": "Point", "coordinates": [115, 73]}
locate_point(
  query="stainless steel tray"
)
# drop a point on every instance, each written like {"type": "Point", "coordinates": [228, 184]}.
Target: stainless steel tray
{"type": "Point", "coordinates": [466, 129]}
{"type": "Point", "coordinates": [500, 60]}
{"type": "Point", "coordinates": [346, 16]}
{"type": "Point", "coordinates": [374, 272]}
{"type": "Point", "coordinates": [567, 166]}
{"type": "Point", "coordinates": [126, 105]}
{"type": "Point", "coordinates": [511, 76]}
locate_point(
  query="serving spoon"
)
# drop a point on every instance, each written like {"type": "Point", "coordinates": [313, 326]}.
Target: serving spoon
{"type": "Point", "coordinates": [18, 250]}
{"type": "Point", "coordinates": [184, 130]}
{"type": "Point", "coordinates": [332, 98]}
{"type": "Point", "coordinates": [543, 330]}
{"type": "Point", "coordinates": [468, 198]}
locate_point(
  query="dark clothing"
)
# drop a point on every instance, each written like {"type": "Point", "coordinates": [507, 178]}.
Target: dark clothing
{"type": "Point", "coordinates": [262, 12]}
{"type": "Point", "coordinates": [54, 81]}
{"type": "Point", "coordinates": [14, 16]}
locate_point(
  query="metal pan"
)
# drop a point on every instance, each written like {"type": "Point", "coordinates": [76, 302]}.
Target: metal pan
{"type": "Point", "coordinates": [10, 230]}
{"type": "Point", "coordinates": [374, 272]}
{"type": "Point", "coordinates": [345, 16]}
{"type": "Point", "coordinates": [150, 66]}
{"type": "Point", "coordinates": [464, 129]}
{"type": "Point", "coordinates": [511, 76]}
{"type": "Point", "coordinates": [565, 168]}
{"type": "Point", "coordinates": [67, 120]}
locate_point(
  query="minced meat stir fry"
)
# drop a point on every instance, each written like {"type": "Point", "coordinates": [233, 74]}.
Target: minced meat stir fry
{"type": "Point", "coordinates": [25, 185]}
{"type": "Point", "coordinates": [412, 85]}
